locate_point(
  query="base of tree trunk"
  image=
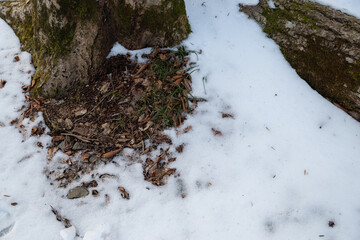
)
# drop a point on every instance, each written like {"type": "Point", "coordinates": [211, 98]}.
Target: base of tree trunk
{"type": "Point", "coordinates": [320, 43]}
{"type": "Point", "coordinates": [70, 39]}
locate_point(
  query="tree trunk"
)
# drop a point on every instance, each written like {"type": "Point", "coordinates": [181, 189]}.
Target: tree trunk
{"type": "Point", "coordinates": [69, 39]}
{"type": "Point", "coordinates": [320, 43]}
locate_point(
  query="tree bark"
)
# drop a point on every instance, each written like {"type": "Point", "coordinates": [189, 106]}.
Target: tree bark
{"type": "Point", "coordinates": [320, 43]}
{"type": "Point", "coordinates": [69, 39]}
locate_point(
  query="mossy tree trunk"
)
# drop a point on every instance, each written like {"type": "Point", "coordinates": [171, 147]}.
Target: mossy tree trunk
{"type": "Point", "coordinates": [320, 43]}
{"type": "Point", "coordinates": [69, 39]}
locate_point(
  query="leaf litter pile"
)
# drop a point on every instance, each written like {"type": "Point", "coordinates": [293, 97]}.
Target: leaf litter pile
{"type": "Point", "coordinates": [127, 105]}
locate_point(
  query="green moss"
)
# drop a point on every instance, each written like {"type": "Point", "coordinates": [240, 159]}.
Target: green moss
{"type": "Point", "coordinates": [276, 18]}
{"type": "Point", "coordinates": [325, 71]}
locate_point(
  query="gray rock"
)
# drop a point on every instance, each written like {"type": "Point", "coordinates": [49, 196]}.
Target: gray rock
{"type": "Point", "coordinates": [78, 146]}
{"type": "Point", "coordinates": [68, 124]}
{"type": "Point", "coordinates": [62, 146]}
{"type": "Point", "coordinates": [77, 192]}
{"type": "Point", "coordinates": [80, 113]}
{"type": "Point", "coordinates": [93, 159]}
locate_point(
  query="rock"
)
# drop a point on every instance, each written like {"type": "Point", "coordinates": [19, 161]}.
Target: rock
{"type": "Point", "coordinates": [104, 88]}
{"type": "Point", "coordinates": [69, 124]}
{"type": "Point", "coordinates": [320, 43]}
{"type": "Point", "coordinates": [62, 146]}
{"type": "Point", "coordinates": [80, 113]}
{"type": "Point", "coordinates": [77, 192]}
{"type": "Point", "coordinates": [107, 129]}
{"type": "Point", "coordinates": [78, 146]}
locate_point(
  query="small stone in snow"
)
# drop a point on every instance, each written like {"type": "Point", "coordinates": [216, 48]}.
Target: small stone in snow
{"type": "Point", "coordinates": [77, 192]}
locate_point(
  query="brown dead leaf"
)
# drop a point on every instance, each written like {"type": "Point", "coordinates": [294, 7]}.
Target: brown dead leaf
{"type": "Point", "coordinates": [142, 69]}
{"type": "Point", "coordinates": [14, 204]}
{"type": "Point", "coordinates": [176, 77]}
{"type": "Point", "coordinates": [16, 58]}
{"type": "Point", "coordinates": [216, 132]}
{"type": "Point", "coordinates": [187, 85]}
{"type": "Point", "coordinates": [178, 81]}
{"type": "Point", "coordinates": [26, 88]}
{"type": "Point", "coordinates": [112, 153]}
{"type": "Point", "coordinates": [185, 130]}
{"type": "Point", "coordinates": [227, 115]}
{"type": "Point", "coordinates": [34, 130]}
{"type": "Point", "coordinates": [145, 151]}
{"type": "Point", "coordinates": [124, 193]}
{"type": "Point", "coordinates": [2, 83]}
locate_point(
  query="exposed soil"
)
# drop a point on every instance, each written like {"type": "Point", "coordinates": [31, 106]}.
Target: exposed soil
{"type": "Point", "coordinates": [125, 105]}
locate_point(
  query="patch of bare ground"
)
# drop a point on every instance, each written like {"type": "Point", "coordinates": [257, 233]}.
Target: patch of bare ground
{"type": "Point", "coordinates": [126, 105]}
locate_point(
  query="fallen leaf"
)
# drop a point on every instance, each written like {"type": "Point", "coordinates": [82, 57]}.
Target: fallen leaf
{"type": "Point", "coordinates": [26, 88]}
{"type": "Point", "coordinates": [227, 115]}
{"type": "Point", "coordinates": [2, 83]}
{"type": "Point", "coordinates": [14, 204]}
{"type": "Point", "coordinates": [112, 153]}
{"type": "Point", "coordinates": [216, 132]}
{"type": "Point", "coordinates": [145, 151]}
{"type": "Point", "coordinates": [124, 193]}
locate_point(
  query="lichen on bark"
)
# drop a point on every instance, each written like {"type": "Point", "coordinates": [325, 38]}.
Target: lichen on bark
{"type": "Point", "coordinates": [320, 43]}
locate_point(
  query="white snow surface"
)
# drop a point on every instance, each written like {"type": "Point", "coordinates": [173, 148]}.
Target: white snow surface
{"type": "Point", "coordinates": [351, 7]}
{"type": "Point", "coordinates": [286, 165]}
{"type": "Point", "coordinates": [135, 55]}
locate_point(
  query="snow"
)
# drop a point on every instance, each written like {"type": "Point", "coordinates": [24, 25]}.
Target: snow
{"type": "Point", "coordinates": [135, 55]}
{"type": "Point", "coordinates": [351, 7]}
{"type": "Point", "coordinates": [286, 165]}
{"type": "Point", "coordinates": [271, 4]}
{"type": "Point", "coordinates": [68, 233]}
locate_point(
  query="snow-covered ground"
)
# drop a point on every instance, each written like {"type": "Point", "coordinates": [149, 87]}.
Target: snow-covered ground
{"type": "Point", "coordinates": [286, 165]}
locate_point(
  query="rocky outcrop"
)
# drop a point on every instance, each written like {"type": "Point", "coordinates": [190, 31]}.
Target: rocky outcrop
{"type": "Point", "coordinates": [69, 39]}
{"type": "Point", "coordinates": [320, 43]}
